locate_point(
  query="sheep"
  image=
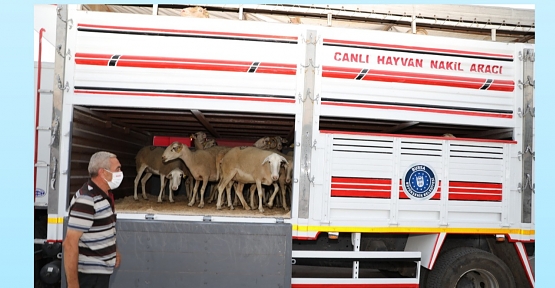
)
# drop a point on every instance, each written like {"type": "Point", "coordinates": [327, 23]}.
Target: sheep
{"type": "Point", "coordinates": [246, 165]}
{"type": "Point", "coordinates": [148, 160]}
{"type": "Point", "coordinates": [268, 143]}
{"type": "Point", "coordinates": [449, 135]}
{"type": "Point", "coordinates": [285, 175]}
{"type": "Point", "coordinates": [195, 12]}
{"type": "Point", "coordinates": [201, 163]}
{"type": "Point", "coordinates": [210, 143]}
{"type": "Point", "coordinates": [199, 139]}
{"type": "Point", "coordinates": [201, 142]}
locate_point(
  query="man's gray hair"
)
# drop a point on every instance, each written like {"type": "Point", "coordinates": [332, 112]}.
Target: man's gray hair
{"type": "Point", "coordinates": [100, 160]}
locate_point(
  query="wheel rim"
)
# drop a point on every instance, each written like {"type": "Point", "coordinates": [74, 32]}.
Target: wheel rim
{"type": "Point", "coordinates": [477, 278]}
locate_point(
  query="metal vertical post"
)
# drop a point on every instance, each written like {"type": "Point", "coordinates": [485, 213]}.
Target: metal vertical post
{"type": "Point", "coordinates": [355, 240]}
{"type": "Point", "coordinates": [57, 104]}
{"type": "Point", "coordinates": [527, 115]}
{"type": "Point", "coordinates": [306, 179]}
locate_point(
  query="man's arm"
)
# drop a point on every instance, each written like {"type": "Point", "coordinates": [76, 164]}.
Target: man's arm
{"type": "Point", "coordinates": [71, 257]}
{"type": "Point", "coordinates": [118, 257]}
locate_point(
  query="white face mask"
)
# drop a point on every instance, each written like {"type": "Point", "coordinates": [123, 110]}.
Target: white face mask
{"type": "Point", "coordinates": [117, 177]}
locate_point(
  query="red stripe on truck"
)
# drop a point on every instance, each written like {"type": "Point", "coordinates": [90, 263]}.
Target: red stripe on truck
{"type": "Point", "coordinates": [185, 63]}
{"type": "Point", "coordinates": [417, 78]}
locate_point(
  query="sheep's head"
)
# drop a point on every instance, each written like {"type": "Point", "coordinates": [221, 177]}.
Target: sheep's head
{"type": "Point", "coordinates": [262, 143]}
{"type": "Point", "coordinates": [209, 143]}
{"type": "Point", "coordinates": [274, 160]}
{"type": "Point", "coordinates": [277, 142]}
{"type": "Point", "coordinates": [173, 151]}
{"type": "Point", "coordinates": [175, 177]}
{"type": "Point", "coordinates": [196, 12]}
{"type": "Point", "coordinates": [288, 171]}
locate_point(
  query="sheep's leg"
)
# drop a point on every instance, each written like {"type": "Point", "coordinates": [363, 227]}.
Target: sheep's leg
{"type": "Point", "coordinates": [259, 187]}
{"type": "Point", "coordinates": [195, 189]}
{"type": "Point", "coordinates": [271, 201]}
{"type": "Point", "coordinates": [239, 193]}
{"type": "Point", "coordinates": [213, 193]}
{"type": "Point", "coordinates": [235, 198]}
{"type": "Point", "coordinates": [204, 184]}
{"type": "Point", "coordinates": [191, 188]}
{"type": "Point", "coordinates": [283, 193]}
{"type": "Point", "coordinates": [251, 191]}
{"type": "Point", "coordinates": [228, 188]}
{"type": "Point", "coordinates": [221, 186]}
{"type": "Point", "coordinates": [143, 184]}
{"type": "Point", "coordinates": [162, 186]}
{"type": "Point", "coordinates": [139, 173]}
{"type": "Point", "coordinates": [171, 196]}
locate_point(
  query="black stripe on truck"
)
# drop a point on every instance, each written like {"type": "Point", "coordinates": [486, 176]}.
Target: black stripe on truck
{"type": "Point", "coordinates": [114, 60]}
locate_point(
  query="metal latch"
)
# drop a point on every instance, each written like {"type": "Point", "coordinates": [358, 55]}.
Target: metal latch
{"type": "Point", "coordinates": [41, 164]}
{"type": "Point", "coordinates": [149, 216]}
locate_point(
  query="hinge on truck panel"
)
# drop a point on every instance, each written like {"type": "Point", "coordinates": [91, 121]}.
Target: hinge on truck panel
{"type": "Point", "coordinates": [528, 150]}
{"type": "Point", "coordinates": [529, 82]}
{"type": "Point", "coordinates": [68, 22]}
{"type": "Point", "coordinates": [53, 174]}
{"type": "Point", "coordinates": [527, 183]}
{"type": "Point", "coordinates": [55, 124]}
{"type": "Point", "coordinates": [310, 42]}
{"type": "Point", "coordinates": [528, 56]}
{"type": "Point", "coordinates": [60, 84]}
{"type": "Point", "coordinates": [149, 216]}
{"type": "Point", "coordinates": [59, 50]}
{"type": "Point", "coordinates": [531, 110]}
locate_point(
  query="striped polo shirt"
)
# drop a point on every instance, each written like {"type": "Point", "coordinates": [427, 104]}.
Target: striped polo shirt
{"type": "Point", "coordinates": [92, 211]}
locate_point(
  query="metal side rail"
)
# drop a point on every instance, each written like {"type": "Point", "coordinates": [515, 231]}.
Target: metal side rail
{"type": "Point", "coordinates": [357, 257]}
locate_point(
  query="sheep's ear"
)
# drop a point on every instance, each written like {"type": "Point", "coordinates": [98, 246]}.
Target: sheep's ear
{"type": "Point", "coordinates": [265, 160]}
{"type": "Point", "coordinates": [169, 176]}
{"type": "Point", "coordinates": [283, 159]}
{"type": "Point", "coordinates": [179, 147]}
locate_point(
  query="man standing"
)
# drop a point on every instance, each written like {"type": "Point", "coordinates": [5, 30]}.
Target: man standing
{"type": "Point", "coordinates": [90, 253]}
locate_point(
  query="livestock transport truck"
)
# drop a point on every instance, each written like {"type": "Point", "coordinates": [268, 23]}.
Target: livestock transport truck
{"type": "Point", "coordinates": [380, 197]}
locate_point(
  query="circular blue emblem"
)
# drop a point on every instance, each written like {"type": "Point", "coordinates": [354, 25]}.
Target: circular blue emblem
{"type": "Point", "coordinates": [40, 193]}
{"type": "Point", "coordinates": [420, 182]}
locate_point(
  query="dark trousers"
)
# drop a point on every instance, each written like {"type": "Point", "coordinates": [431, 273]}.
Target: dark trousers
{"type": "Point", "coordinates": [93, 280]}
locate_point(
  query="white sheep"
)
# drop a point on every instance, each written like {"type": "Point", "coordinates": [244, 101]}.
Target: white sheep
{"type": "Point", "coordinates": [248, 165]}
{"type": "Point", "coordinates": [285, 175]}
{"type": "Point", "coordinates": [201, 163]}
{"type": "Point", "coordinates": [149, 160]}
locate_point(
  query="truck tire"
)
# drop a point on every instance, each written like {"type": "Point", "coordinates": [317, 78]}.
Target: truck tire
{"type": "Point", "coordinates": [467, 267]}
